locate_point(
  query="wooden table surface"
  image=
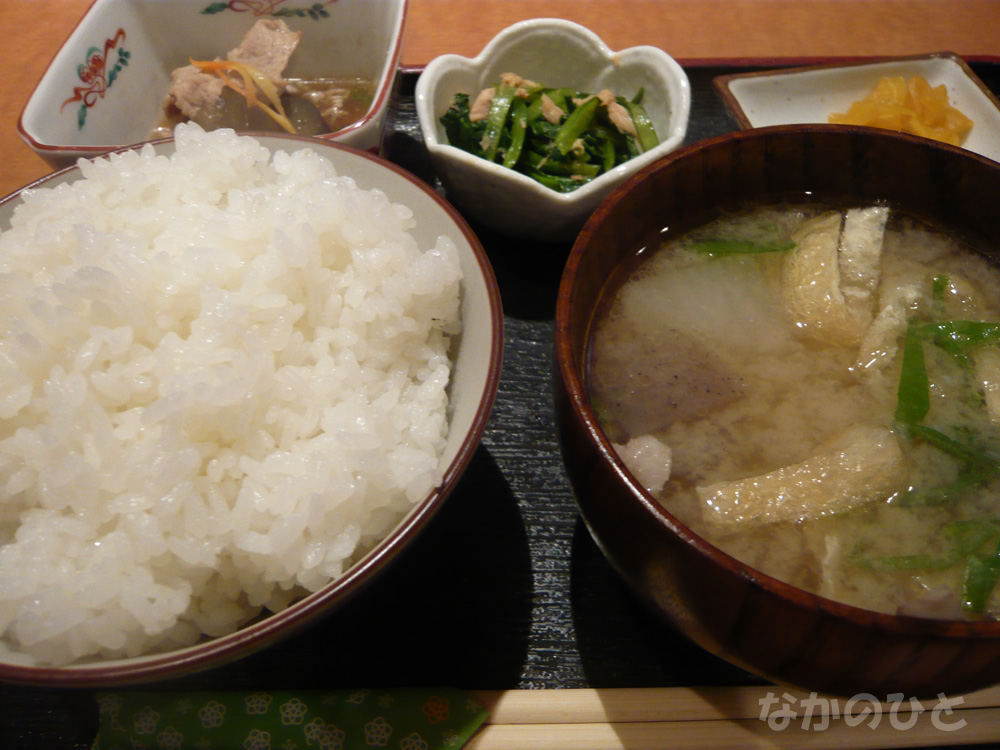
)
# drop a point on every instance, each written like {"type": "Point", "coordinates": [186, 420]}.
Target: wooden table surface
{"type": "Point", "coordinates": [692, 31]}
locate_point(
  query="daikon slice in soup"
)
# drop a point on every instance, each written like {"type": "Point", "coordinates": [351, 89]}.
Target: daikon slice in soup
{"type": "Point", "coordinates": [816, 391]}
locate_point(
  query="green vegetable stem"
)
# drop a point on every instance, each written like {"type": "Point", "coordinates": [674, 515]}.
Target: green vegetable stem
{"type": "Point", "coordinates": [972, 543]}
{"type": "Point", "coordinates": [967, 540]}
{"type": "Point", "coordinates": [981, 575]}
{"type": "Point", "coordinates": [497, 119]}
{"type": "Point", "coordinates": [580, 145]}
{"type": "Point", "coordinates": [720, 246]}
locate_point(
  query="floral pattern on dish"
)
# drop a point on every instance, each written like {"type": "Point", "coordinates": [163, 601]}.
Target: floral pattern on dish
{"type": "Point", "coordinates": [95, 75]}
{"type": "Point", "coordinates": [269, 8]}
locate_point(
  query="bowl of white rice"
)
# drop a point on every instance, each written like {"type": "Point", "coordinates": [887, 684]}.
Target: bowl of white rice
{"type": "Point", "coordinates": [238, 374]}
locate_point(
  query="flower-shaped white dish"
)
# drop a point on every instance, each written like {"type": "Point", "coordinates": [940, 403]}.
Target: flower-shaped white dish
{"type": "Point", "coordinates": [552, 52]}
{"type": "Point", "coordinates": [105, 87]}
{"type": "Point", "coordinates": [811, 94]}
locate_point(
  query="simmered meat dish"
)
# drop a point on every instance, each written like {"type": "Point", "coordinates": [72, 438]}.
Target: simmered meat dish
{"type": "Point", "coordinates": [248, 90]}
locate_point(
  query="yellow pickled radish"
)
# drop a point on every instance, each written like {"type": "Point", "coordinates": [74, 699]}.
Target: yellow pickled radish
{"type": "Point", "coordinates": [912, 106]}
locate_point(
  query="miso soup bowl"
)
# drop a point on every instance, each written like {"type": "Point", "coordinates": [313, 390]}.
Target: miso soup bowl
{"type": "Point", "coordinates": [752, 620]}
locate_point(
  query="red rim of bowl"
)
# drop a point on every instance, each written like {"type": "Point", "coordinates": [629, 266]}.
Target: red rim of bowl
{"type": "Point", "coordinates": [305, 611]}
{"type": "Point", "coordinates": [577, 395]}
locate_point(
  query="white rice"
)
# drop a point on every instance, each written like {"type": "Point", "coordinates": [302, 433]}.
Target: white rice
{"type": "Point", "coordinates": [222, 379]}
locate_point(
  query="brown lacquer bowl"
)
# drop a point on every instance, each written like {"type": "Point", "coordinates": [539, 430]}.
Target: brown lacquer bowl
{"type": "Point", "coordinates": [752, 620]}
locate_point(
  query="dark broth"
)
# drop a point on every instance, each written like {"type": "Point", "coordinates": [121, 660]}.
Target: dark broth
{"type": "Point", "coordinates": [315, 106]}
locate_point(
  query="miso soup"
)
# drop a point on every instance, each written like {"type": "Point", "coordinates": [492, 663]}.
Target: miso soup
{"type": "Point", "coordinates": [816, 391]}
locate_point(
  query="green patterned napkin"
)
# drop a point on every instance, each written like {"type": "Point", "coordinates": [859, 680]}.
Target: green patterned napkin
{"type": "Point", "coordinates": [417, 719]}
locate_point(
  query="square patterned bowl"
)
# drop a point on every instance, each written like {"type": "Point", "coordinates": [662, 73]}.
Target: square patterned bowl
{"type": "Point", "coordinates": [552, 52]}
{"type": "Point", "coordinates": [105, 87]}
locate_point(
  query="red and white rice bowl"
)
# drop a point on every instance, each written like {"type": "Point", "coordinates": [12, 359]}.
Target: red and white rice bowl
{"type": "Point", "coordinates": [232, 383]}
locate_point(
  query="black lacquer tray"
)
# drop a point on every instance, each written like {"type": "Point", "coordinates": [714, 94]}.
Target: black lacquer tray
{"type": "Point", "coordinates": [505, 589]}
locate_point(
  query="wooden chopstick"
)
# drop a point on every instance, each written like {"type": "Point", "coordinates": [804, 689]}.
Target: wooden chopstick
{"type": "Point", "coordinates": [678, 718]}
{"type": "Point", "coordinates": [981, 726]}
{"type": "Point", "coordinates": [618, 705]}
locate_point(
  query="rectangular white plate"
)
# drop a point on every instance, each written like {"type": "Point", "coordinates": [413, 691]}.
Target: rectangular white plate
{"type": "Point", "coordinates": [812, 94]}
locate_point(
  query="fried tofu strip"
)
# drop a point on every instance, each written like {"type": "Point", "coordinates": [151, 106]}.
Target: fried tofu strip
{"type": "Point", "coordinates": [830, 279]}
{"type": "Point", "coordinates": [861, 251]}
{"type": "Point", "coordinates": [883, 339]}
{"type": "Point", "coordinates": [863, 464]}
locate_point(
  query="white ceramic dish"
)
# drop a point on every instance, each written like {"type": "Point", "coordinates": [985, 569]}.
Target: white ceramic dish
{"type": "Point", "coordinates": [557, 53]}
{"type": "Point", "coordinates": [105, 87]}
{"type": "Point", "coordinates": [811, 94]}
{"type": "Point", "coordinates": [477, 355]}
